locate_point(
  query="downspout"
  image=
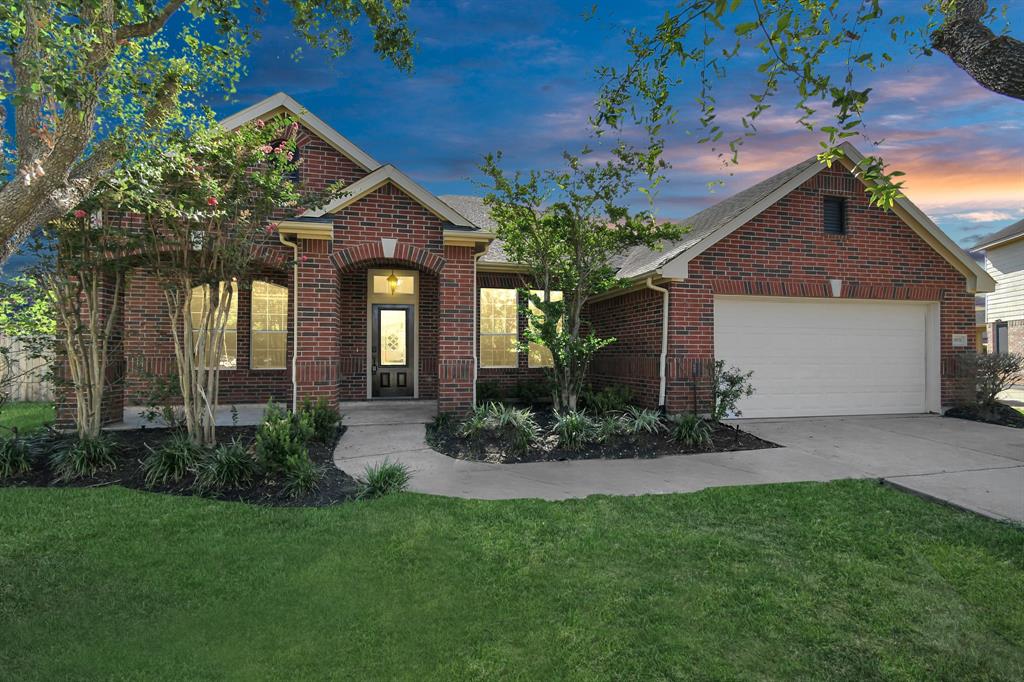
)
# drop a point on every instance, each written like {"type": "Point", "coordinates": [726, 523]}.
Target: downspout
{"type": "Point", "coordinates": [476, 338]}
{"type": "Point", "coordinates": [295, 319]}
{"type": "Point", "coordinates": [664, 338]}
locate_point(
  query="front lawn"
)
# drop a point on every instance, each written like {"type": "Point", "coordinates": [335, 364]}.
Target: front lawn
{"type": "Point", "coordinates": [846, 580]}
{"type": "Point", "coordinates": [26, 416]}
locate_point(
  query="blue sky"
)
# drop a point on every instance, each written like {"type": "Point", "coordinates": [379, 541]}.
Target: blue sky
{"type": "Point", "coordinates": [519, 77]}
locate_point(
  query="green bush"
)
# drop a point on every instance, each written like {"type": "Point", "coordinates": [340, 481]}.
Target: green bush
{"type": "Point", "coordinates": [730, 384]}
{"type": "Point", "coordinates": [690, 430]}
{"type": "Point", "coordinates": [84, 457]}
{"type": "Point", "coordinates": [515, 426]}
{"type": "Point", "coordinates": [639, 420]}
{"type": "Point", "coordinates": [14, 456]}
{"type": "Point", "coordinates": [574, 430]}
{"type": "Point", "coordinates": [384, 478]}
{"type": "Point", "coordinates": [532, 392]}
{"type": "Point", "coordinates": [487, 391]}
{"type": "Point", "coordinates": [322, 418]}
{"type": "Point", "coordinates": [609, 426]}
{"type": "Point", "coordinates": [224, 467]}
{"type": "Point", "coordinates": [609, 399]}
{"type": "Point", "coordinates": [300, 475]}
{"type": "Point", "coordinates": [176, 456]}
{"type": "Point", "coordinates": [276, 441]}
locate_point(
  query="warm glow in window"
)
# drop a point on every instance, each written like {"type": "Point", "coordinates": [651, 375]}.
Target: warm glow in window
{"type": "Point", "coordinates": [269, 339]}
{"type": "Point", "coordinates": [393, 335]}
{"type": "Point", "coordinates": [539, 355]}
{"type": "Point", "coordinates": [498, 328]}
{"type": "Point", "coordinates": [228, 359]}
{"type": "Point", "coordinates": [405, 286]}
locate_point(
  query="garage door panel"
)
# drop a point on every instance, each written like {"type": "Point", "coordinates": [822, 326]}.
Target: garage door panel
{"type": "Point", "coordinates": [825, 357]}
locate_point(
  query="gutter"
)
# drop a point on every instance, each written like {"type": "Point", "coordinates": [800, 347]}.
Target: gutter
{"type": "Point", "coordinates": [664, 338]}
{"type": "Point", "coordinates": [295, 319]}
{"type": "Point", "coordinates": [476, 337]}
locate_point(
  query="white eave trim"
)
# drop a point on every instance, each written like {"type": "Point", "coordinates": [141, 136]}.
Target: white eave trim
{"type": "Point", "coordinates": [282, 102]}
{"type": "Point", "coordinates": [994, 245]}
{"type": "Point", "coordinates": [978, 281]}
{"type": "Point", "coordinates": [383, 175]}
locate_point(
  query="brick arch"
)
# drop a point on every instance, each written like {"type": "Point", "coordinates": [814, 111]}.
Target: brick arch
{"type": "Point", "coordinates": [373, 252]}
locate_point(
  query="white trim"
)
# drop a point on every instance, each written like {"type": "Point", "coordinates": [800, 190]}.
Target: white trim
{"type": "Point", "coordinates": [377, 179]}
{"type": "Point", "coordinates": [388, 246]}
{"type": "Point", "coordinates": [978, 281]}
{"type": "Point", "coordinates": [1002, 242]}
{"type": "Point", "coordinates": [282, 102]}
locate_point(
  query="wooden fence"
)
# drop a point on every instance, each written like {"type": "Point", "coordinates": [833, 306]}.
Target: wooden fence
{"type": "Point", "coordinates": [22, 376]}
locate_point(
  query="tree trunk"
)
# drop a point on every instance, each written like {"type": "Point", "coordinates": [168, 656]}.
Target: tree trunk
{"type": "Point", "coordinates": [994, 62]}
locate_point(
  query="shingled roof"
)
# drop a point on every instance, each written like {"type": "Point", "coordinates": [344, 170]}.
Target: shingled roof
{"type": "Point", "coordinates": [1007, 233]}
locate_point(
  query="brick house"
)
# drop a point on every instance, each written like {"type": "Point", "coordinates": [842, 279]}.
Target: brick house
{"type": "Point", "coordinates": [1004, 307]}
{"type": "Point", "coordinates": [837, 307]}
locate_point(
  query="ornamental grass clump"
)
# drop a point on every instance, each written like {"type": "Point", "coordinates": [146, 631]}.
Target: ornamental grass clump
{"type": "Point", "coordinates": [227, 466]}
{"type": "Point", "coordinates": [172, 459]}
{"type": "Point", "coordinates": [384, 478]}
{"type": "Point", "coordinates": [84, 456]}
{"type": "Point", "coordinates": [14, 456]}
{"type": "Point", "coordinates": [637, 420]}
{"type": "Point", "coordinates": [514, 426]}
{"type": "Point", "coordinates": [575, 430]}
{"type": "Point", "coordinates": [690, 430]}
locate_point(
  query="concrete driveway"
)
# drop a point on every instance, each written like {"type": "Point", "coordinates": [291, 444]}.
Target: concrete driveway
{"type": "Point", "coordinates": [975, 466]}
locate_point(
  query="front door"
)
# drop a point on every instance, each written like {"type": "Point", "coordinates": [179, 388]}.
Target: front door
{"type": "Point", "coordinates": [392, 351]}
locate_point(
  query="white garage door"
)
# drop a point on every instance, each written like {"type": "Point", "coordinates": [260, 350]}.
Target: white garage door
{"type": "Point", "coordinates": [814, 357]}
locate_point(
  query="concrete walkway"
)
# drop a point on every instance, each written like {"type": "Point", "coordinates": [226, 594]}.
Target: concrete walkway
{"type": "Point", "coordinates": [975, 466]}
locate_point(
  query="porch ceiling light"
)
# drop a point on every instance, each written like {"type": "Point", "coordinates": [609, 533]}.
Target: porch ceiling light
{"type": "Point", "coordinates": [392, 282]}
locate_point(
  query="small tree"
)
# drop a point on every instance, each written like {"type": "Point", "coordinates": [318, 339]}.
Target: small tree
{"type": "Point", "coordinates": [565, 226]}
{"type": "Point", "coordinates": [993, 374]}
{"type": "Point", "coordinates": [81, 276]}
{"type": "Point", "coordinates": [27, 317]}
{"type": "Point", "coordinates": [206, 201]}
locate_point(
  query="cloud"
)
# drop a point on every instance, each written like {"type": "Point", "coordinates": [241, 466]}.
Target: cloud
{"type": "Point", "coordinates": [983, 216]}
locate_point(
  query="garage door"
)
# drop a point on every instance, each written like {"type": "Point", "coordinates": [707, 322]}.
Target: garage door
{"type": "Point", "coordinates": [814, 357]}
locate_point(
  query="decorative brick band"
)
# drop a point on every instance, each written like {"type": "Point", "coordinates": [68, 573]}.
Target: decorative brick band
{"type": "Point", "coordinates": [368, 252]}
{"type": "Point", "coordinates": [821, 289]}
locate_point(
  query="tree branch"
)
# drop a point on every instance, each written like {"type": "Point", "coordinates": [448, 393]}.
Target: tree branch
{"type": "Point", "coordinates": [994, 62]}
{"type": "Point", "coordinates": [151, 26]}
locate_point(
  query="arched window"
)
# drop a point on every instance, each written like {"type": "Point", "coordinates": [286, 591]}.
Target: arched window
{"type": "Point", "coordinates": [269, 340]}
{"type": "Point", "coordinates": [200, 301]}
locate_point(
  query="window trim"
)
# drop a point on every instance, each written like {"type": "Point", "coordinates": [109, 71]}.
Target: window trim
{"type": "Point", "coordinates": [253, 332]}
{"type": "Point", "coordinates": [481, 333]}
{"type": "Point", "coordinates": [843, 226]}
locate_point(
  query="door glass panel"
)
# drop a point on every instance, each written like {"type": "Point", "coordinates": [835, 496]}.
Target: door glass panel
{"type": "Point", "coordinates": [392, 337]}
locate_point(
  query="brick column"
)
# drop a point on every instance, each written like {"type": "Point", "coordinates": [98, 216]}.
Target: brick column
{"type": "Point", "coordinates": [455, 343]}
{"type": "Point", "coordinates": [691, 348]}
{"type": "Point", "coordinates": [317, 334]}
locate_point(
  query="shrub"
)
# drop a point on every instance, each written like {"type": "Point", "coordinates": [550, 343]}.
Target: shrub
{"type": "Point", "coordinates": [14, 456]}
{"type": "Point", "coordinates": [84, 457]}
{"type": "Point", "coordinates": [729, 386]}
{"type": "Point", "coordinates": [993, 374]}
{"type": "Point", "coordinates": [384, 478]}
{"type": "Point", "coordinates": [487, 391]}
{"type": "Point", "coordinates": [322, 418]}
{"type": "Point", "coordinates": [225, 466]}
{"type": "Point", "coordinates": [532, 392]}
{"type": "Point", "coordinates": [279, 438]}
{"type": "Point", "coordinates": [574, 430]}
{"type": "Point", "coordinates": [172, 459]}
{"type": "Point", "coordinates": [608, 427]}
{"type": "Point", "coordinates": [300, 475]}
{"type": "Point", "coordinates": [476, 424]}
{"type": "Point", "coordinates": [639, 420]}
{"type": "Point", "coordinates": [515, 426]}
{"type": "Point", "coordinates": [690, 430]}
{"type": "Point", "coordinates": [609, 399]}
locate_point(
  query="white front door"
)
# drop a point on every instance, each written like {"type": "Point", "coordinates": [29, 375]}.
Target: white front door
{"type": "Point", "coordinates": [817, 357]}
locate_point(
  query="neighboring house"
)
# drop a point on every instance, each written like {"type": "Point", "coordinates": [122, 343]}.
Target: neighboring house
{"type": "Point", "coordinates": [1004, 307]}
{"type": "Point", "coordinates": [836, 306]}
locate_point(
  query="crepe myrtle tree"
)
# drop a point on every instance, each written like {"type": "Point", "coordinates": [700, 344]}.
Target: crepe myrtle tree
{"type": "Point", "coordinates": [206, 200]}
{"type": "Point", "coordinates": [565, 226]}
{"type": "Point", "coordinates": [812, 53]}
{"type": "Point", "coordinates": [86, 83]}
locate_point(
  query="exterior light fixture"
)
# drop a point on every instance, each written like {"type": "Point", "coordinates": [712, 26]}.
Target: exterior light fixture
{"type": "Point", "coordinates": [392, 283]}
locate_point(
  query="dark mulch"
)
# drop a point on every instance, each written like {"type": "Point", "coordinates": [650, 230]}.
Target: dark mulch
{"type": "Point", "coordinates": [725, 438]}
{"type": "Point", "coordinates": [335, 486]}
{"type": "Point", "coordinates": [1003, 415]}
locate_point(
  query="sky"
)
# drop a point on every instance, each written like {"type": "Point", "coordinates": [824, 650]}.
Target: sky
{"type": "Point", "coordinates": [519, 77]}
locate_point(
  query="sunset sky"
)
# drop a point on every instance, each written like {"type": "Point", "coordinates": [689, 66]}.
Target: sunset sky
{"type": "Point", "coordinates": [519, 77]}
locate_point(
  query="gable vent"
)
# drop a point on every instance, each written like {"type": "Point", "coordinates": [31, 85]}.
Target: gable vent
{"type": "Point", "coordinates": [834, 214]}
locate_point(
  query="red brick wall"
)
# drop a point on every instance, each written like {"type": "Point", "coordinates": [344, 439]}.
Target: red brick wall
{"type": "Point", "coordinates": [455, 345]}
{"type": "Point", "coordinates": [634, 360]}
{"type": "Point", "coordinates": [785, 252]}
{"type": "Point", "coordinates": [1014, 336]}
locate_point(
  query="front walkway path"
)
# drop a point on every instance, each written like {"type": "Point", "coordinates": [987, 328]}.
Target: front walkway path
{"type": "Point", "coordinates": [976, 466]}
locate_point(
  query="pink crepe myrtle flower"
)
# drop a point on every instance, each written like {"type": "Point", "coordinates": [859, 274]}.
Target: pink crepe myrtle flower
{"type": "Point", "coordinates": [266, 149]}
{"type": "Point", "coordinates": [212, 201]}
{"type": "Point", "coordinates": [295, 126]}
{"type": "Point", "coordinates": [260, 123]}
{"type": "Point", "coordinates": [303, 259]}
{"type": "Point", "coordinates": [80, 214]}
{"type": "Point", "coordinates": [270, 228]}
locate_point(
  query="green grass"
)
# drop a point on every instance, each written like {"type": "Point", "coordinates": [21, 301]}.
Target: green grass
{"type": "Point", "coordinates": [845, 580]}
{"type": "Point", "coordinates": [26, 416]}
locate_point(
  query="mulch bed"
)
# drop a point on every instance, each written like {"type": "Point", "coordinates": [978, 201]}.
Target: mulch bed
{"type": "Point", "coordinates": [724, 438]}
{"type": "Point", "coordinates": [336, 486]}
{"type": "Point", "coordinates": [1004, 415]}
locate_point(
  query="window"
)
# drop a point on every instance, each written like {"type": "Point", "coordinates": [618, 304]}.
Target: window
{"type": "Point", "coordinates": [200, 301]}
{"type": "Point", "coordinates": [404, 286]}
{"type": "Point", "coordinates": [1002, 338]}
{"type": "Point", "coordinates": [498, 328]}
{"type": "Point", "coordinates": [269, 340]}
{"type": "Point", "coordinates": [834, 213]}
{"type": "Point", "coordinates": [539, 355]}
